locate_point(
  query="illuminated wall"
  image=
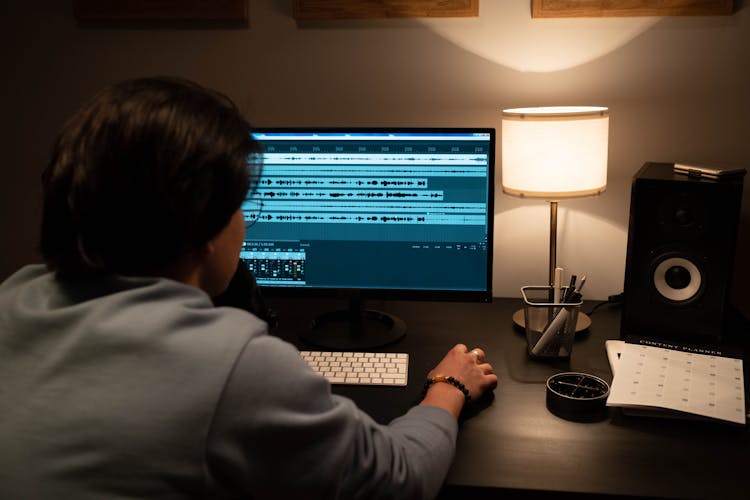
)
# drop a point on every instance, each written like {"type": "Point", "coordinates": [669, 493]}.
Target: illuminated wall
{"type": "Point", "coordinates": [677, 89]}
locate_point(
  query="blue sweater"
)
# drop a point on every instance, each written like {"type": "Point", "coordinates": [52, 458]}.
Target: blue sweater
{"type": "Point", "coordinates": [140, 388]}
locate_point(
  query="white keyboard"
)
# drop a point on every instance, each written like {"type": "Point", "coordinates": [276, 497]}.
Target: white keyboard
{"type": "Point", "coordinates": [360, 368]}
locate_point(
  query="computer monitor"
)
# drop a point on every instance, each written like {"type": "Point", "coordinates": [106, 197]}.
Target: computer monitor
{"type": "Point", "coordinates": [401, 213]}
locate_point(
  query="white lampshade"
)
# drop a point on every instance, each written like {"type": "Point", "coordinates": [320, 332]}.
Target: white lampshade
{"type": "Point", "coordinates": [555, 152]}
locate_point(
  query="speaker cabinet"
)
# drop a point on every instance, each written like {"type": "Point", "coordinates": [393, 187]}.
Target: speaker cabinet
{"type": "Point", "coordinates": [681, 240]}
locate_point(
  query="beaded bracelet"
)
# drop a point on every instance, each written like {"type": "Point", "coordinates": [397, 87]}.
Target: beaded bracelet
{"type": "Point", "coordinates": [448, 380]}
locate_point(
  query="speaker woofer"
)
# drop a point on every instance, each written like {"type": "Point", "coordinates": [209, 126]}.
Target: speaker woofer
{"type": "Point", "coordinates": [678, 279]}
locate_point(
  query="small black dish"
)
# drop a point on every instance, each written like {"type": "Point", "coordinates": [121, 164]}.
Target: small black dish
{"type": "Point", "coordinates": [579, 397]}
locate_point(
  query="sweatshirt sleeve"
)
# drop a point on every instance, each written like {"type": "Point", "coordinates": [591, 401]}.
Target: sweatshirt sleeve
{"type": "Point", "coordinates": [278, 432]}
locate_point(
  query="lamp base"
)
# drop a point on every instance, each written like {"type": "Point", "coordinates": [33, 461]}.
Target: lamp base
{"type": "Point", "coordinates": [582, 323]}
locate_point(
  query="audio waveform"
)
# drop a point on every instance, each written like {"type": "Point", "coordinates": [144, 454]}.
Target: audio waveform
{"type": "Point", "coordinates": [342, 218]}
{"type": "Point", "coordinates": [380, 218]}
{"type": "Point", "coordinates": [368, 206]}
{"type": "Point", "coordinates": [339, 182]}
{"type": "Point", "coordinates": [357, 194]}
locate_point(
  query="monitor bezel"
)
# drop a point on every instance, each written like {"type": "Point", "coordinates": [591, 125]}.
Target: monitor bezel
{"type": "Point", "coordinates": [484, 296]}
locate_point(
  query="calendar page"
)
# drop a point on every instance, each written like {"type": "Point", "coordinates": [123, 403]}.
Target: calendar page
{"type": "Point", "coordinates": [699, 383]}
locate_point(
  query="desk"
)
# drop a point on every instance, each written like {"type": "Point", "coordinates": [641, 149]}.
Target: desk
{"type": "Point", "coordinates": [515, 447]}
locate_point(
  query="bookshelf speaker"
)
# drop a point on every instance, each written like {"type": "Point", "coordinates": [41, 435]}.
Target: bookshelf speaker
{"type": "Point", "coordinates": [681, 241]}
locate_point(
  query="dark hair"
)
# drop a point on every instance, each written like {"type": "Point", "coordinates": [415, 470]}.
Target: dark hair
{"type": "Point", "coordinates": [145, 172]}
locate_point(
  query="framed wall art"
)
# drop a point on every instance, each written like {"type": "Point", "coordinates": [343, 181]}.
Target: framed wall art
{"type": "Point", "coordinates": [609, 8]}
{"type": "Point", "coordinates": [358, 9]}
{"type": "Point", "coordinates": [160, 10]}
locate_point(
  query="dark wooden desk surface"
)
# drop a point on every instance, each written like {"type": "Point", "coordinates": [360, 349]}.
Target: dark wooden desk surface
{"type": "Point", "coordinates": [515, 446]}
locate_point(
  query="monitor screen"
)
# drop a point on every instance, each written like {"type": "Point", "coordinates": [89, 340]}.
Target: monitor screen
{"type": "Point", "coordinates": [392, 213]}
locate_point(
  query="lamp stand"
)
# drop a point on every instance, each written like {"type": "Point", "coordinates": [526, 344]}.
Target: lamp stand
{"type": "Point", "coordinates": [552, 245]}
{"type": "Point", "coordinates": [583, 321]}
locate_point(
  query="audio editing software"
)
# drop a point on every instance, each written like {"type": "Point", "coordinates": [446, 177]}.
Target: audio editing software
{"type": "Point", "coordinates": [365, 209]}
{"type": "Point", "coordinates": [276, 265]}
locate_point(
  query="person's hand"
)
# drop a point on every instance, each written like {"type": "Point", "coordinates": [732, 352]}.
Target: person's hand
{"type": "Point", "coordinates": [468, 367]}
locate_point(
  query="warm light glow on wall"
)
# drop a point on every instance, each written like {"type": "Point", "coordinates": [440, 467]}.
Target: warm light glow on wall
{"type": "Point", "coordinates": [506, 34]}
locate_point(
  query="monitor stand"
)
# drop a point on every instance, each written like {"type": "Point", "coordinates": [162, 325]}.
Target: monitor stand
{"type": "Point", "coordinates": [355, 328]}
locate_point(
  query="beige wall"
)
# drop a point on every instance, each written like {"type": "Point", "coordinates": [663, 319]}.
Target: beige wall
{"type": "Point", "coordinates": [677, 89]}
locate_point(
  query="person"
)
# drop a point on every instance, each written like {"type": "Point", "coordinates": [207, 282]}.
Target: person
{"type": "Point", "coordinates": [119, 378]}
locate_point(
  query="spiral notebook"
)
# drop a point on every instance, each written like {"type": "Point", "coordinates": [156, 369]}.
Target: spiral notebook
{"type": "Point", "coordinates": [672, 379]}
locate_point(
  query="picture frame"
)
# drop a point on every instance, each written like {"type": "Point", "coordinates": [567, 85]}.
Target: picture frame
{"type": "Point", "coordinates": [629, 8]}
{"type": "Point", "coordinates": [161, 10]}
{"type": "Point", "coordinates": [357, 9]}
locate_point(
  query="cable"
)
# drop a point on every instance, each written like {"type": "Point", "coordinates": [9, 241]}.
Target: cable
{"type": "Point", "coordinates": [612, 299]}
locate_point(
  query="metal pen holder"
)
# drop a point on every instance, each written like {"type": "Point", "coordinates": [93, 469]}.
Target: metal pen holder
{"type": "Point", "coordinates": [550, 326]}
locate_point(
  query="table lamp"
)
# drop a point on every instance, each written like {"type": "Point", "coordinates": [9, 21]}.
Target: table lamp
{"type": "Point", "coordinates": [554, 153]}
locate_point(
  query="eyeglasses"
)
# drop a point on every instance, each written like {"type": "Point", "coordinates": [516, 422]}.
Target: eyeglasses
{"type": "Point", "coordinates": [252, 210]}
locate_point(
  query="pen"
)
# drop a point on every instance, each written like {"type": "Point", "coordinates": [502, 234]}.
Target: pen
{"type": "Point", "coordinates": [557, 284]}
{"type": "Point", "coordinates": [571, 288]}
{"type": "Point", "coordinates": [576, 295]}
{"type": "Point", "coordinates": [583, 282]}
